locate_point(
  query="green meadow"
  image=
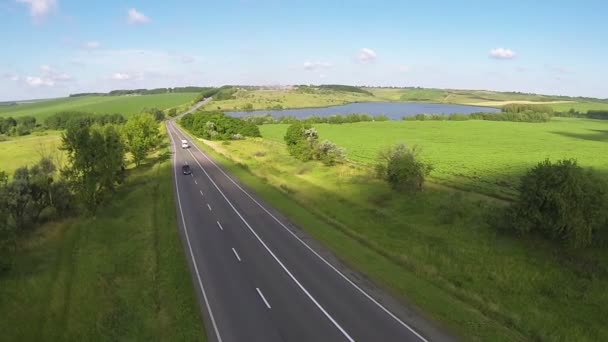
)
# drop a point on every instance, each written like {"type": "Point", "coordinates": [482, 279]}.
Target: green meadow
{"type": "Point", "coordinates": [121, 275]}
{"type": "Point", "coordinates": [481, 156]}
{"type": "Point", "coordinates": [27, 150]}
{"type": "Point", "coordinates": [125, 105]}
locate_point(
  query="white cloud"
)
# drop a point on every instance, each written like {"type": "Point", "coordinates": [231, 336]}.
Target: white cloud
{"type": "Point", "coordinates": [48, 77]}
{"type": "Point", "coordinates": [502, 53]}
{"type": "Point", "coordinates": [135, 17]}
{"type": "Point", "coordinates": [404, 68]}
{"type": "Point", "coordinates": [39, 8]}
{"type": "Point", "coordinates": [34, 81]}
{"type": "Point", "coordinates": [308, 65]}
{"type": "Point", "coordinates": [127, 76]}
{"type": "Point", "coordinates": [366, 55]}
{"type": "Point", "coordinates": [91, 45]}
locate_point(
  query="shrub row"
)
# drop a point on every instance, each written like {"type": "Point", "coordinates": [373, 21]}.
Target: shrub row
{"type": "Point", "coordinates": [332, 119]}
{"type": "Point", "coordinates": [61, 120]}
{"type": "Point", "coordinates": [526, 116]}
{"type": "Point", "coordinates": [219, 126]}
{"type": "Point", "coordinates": [19, 126]}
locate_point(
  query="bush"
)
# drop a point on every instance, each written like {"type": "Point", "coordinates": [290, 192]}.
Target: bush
{"type": "Point", "coordinates": [300, 139]}
{"type": "Point", "coordinates": [563, 202]}
{"type": "Point", "coordinates": [329, 153]}
{"type": "Point", "coordinates": [401, 168]}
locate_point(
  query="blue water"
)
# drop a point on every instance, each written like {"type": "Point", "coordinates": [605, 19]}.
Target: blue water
{"type": "Point", "coordinates": [394, 110]}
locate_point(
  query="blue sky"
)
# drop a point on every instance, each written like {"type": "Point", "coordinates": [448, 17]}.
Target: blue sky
{"type": "Point", "coordinates": [51, 48]}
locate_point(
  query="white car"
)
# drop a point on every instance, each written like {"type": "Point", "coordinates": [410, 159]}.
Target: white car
{"type": "Point", "coordinates": [185, 144]}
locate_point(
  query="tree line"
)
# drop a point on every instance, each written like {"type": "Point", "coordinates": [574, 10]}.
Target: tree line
{"type": "Point", "coordinates": [22, 125]}
{"type": "Point", "coordinates": [264, 119]}
{"type": "Point", "coordinates": [219, 126]}
{"type": "Point", "coordinates": [96, 155]}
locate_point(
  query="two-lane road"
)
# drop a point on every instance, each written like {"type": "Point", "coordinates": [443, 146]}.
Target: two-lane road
{"type": "Point", "coordinates": [258, 280]}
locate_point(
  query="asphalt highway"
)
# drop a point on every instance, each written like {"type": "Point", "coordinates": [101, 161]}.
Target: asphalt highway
{"type": "Point", "coordinates": [257, 279]}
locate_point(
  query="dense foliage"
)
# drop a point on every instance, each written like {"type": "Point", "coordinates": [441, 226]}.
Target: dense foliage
{"type": "Point", "coordinates": [158, 114]}
{"type": "Point", "coordinates": [219, 126]}
{"type": "Point", "coordinates": [95, 161]}
{"type": "Point", "coordinates": [563, 202]}
{"type": "Point", "coordinates": [402, 169]}
{"type": "Point", "coordinates": [526, 116]}
{"type": "Point", "coordinates": [598, 114]}
{"type": "Point", "coordinates": [332, 119]}
{"type": "Point", "coordinates": [62, 119]}
{"type": "Point", "coordinates": [302, 142]}
{"type": "Point", "coordinates": [20, 126]}
{"type": "Point", "coordinates": [141, 136]}
{"type": "Point", "coordinates": [300, 139]}
{"type": "Point", "coordinates": [32, 195]}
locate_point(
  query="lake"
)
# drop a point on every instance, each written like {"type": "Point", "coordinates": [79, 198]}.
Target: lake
{"type": "Point", "coordinates": [393, 110]}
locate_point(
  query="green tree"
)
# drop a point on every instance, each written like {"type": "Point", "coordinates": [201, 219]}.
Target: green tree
{"type": "Point", "coordinates": [300, 139]}
{"type": "Point", "coordinates": [401, 167]}
{"type": "Point", "coordinates": [141, 135]}
{"type": "Point", "coordinates": [95, 161]}
{"type": "Point", "coordinates": [562, 201]}
{"type": "Point", "coordinates": [158, 114]}
{"type": "Point", "coordinates": [19, 195]}
{"type": "Point", "coordinates": [41, 186]}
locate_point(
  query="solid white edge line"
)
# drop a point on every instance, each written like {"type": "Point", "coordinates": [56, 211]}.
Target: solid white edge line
{"type": "Point", "coordinates": [220, 225]}
{"type": "Point", "coordinates": [368, 296]}
{"type": "Point", "coordinates": [264, 299]}
{"type": "Point", "coordinates": [273, 255]}
{"type": "Point", "coordinates": [236, 254]}
{"type": "Point", "coordinates": [208, 206]}
{"type": "Point", "coordinates": [198, 276]}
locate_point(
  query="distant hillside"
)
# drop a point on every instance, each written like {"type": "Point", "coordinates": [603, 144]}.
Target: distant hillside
{"type": "Point", "coordinates": [120, 92]}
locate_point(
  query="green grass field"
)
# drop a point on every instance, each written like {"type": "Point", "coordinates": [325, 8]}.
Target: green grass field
{"type": "Point", "coordinates": [121, 275]}
{"type": "Point", "coordinates": [27, 150]}
{"type": "Point", "coordinates": [125, 105]}
{"type": "Point", "coordinates": [479, 284]}
{"type": "Point", "coordinates": [483, 156]}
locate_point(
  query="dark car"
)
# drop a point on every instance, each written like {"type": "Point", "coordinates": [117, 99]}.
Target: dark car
{"type": "Point", "coordinates": [186, 169]}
